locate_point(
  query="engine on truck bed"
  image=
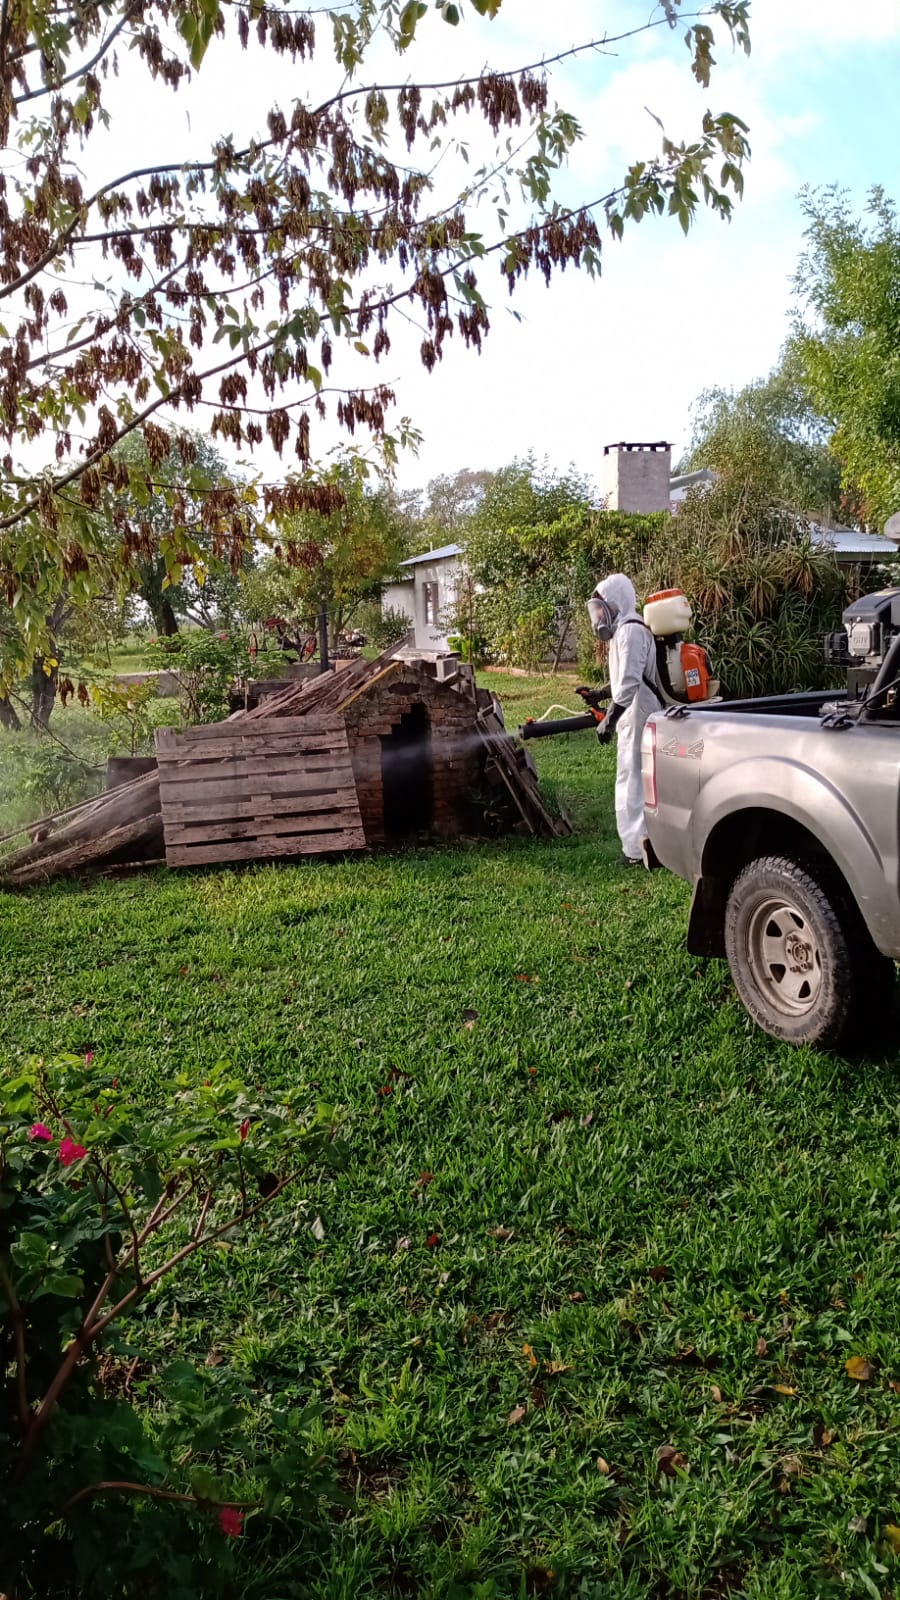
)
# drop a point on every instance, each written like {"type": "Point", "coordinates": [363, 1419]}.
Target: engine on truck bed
{"type": "Point", "coordinates": [870, 626]}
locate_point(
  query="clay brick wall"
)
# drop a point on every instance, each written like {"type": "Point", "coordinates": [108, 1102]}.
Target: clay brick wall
{"type": "Point", "coordinates": [456, 751]}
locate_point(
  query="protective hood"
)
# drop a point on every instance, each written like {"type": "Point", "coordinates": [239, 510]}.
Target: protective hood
{"type": "Point", "coordinates": [618, 592]}
{"type": "Point", "coordinates": [612, 600]}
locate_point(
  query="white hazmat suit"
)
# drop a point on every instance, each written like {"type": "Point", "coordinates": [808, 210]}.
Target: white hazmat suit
{"type": "Point", "coordinates": [632, 661]}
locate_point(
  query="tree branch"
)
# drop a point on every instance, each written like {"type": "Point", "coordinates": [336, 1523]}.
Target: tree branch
{"type": "Point", "coordinates": [123, 1487]}
{"type": "Point", "coordinates": [17, 1317]}
{"type": "Point", "coordinates": [53, 88]}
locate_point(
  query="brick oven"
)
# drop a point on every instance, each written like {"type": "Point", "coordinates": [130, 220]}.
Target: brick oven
{"type": "Point", "coordinates": [417, 758]}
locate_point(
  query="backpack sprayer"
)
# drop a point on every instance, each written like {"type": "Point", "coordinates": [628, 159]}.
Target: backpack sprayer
{"type": "Point", "coordinates": [683, 670]}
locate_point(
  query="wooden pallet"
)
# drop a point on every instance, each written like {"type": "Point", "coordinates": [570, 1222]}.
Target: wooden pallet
{"type": "Point", "coordinates": [248, 790]}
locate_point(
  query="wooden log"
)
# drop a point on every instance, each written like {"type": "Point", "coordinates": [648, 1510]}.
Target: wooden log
{"type": "Point", "coordinates": [84, 852]}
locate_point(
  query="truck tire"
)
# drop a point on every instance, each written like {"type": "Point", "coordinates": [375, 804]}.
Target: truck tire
{"type": "Point", "coordinates": [801, 958]}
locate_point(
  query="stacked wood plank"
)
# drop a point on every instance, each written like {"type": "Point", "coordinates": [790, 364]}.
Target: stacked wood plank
{"type": "Point", "coordinates": [122, 822]}
{"type": "Point", "coordinates": [510, 771]}
{"type": "Point", "coordinates": [271, 782]}
{"type": "Point", "coordinates": [253, 790]}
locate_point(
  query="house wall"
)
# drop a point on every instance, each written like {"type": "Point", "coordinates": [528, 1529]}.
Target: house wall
{"type": "Point", "coordinates": [456, 750]}
{"type": "Point", "coordinates": [399, 597]}
{"type": "Point", "coordinates": [447, 574]}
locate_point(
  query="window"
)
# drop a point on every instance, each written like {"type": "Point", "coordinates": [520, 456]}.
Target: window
{"type": "Point", "coordinates": [430, 593]}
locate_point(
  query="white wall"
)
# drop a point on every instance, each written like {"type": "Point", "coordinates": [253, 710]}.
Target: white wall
{"type": "Point", "coordinates": [446, 574]}
{"type": "Point", "coordinates": [399, 597]}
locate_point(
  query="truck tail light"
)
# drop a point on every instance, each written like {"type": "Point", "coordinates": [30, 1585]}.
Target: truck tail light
{"type": "Point", "coordinates": [648, 766]}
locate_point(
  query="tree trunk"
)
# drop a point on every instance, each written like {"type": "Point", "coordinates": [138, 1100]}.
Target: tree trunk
{"type": "Point", "coordinates": [9, 717]}
{"type": "Point", "coordinates": [43, 692]}
{"type": "Point", "coordinates": [164, 618]}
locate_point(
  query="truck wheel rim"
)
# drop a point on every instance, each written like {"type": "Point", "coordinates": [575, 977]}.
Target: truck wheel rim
{"type": "Point", "coordinates": [784, 957]}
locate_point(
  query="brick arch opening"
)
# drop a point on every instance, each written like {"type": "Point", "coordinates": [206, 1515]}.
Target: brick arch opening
{"type": "Point", "coordinates": [407, 775]}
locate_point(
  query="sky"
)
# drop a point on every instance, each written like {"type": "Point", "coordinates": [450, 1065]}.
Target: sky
{"type": "Point", "coordinates": [585, 362]}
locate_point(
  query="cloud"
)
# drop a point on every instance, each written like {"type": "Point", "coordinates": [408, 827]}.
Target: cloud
{"type": "Point", "coordinates": [780, 26]}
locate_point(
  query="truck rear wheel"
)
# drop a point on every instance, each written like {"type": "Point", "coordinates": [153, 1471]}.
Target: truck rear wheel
{"type": "Point", "coordinates": [802, 961]}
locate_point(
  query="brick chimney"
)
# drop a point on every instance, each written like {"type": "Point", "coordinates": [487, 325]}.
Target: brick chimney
{"type": "Point", "coordinates": [635, 477]}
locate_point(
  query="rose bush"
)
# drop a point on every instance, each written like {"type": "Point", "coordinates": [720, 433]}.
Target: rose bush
{"type": "Point", "coordinates": [112, 1486]}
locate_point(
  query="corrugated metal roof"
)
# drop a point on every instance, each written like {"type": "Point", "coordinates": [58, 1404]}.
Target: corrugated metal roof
{"type": "Point", "coordinates": [850, 542]}
{"type": "Point", "coordinates": [442, 554]}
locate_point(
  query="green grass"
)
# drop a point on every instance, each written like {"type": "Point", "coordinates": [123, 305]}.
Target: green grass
{"type": "Point", "coordinates": [696, 1225]}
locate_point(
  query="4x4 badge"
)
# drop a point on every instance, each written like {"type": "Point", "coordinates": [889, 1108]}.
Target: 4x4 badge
{"type": "Point", "coordinates": [686, 752]}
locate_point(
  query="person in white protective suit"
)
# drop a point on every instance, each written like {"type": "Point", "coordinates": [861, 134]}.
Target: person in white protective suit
{"type": "Point", "coordinates": [632, 678]}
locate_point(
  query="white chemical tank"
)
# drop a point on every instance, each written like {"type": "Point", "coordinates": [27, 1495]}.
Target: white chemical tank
{"type": "Point", "coordinates": [667, 612]}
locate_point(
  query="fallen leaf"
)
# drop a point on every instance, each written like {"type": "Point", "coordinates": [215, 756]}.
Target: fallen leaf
{"type": "Point", "coordinates": [762, 1347]}
{"type": "Point", "coordinates": [669, 1461]}
{"type": "Point", "coordinates": [538, 1397]}
{"type": "Point", "coordinates": [525, 977]}
{"type": "Point", "coordinates": [553, 1369]}
{"type": "Point", "coordinates": [586, 1121]}
{"type": "Point", "coordinates": [791, 1466]}
{"type": "Point", "coordinates": [469, 1017]}
{"type": "Point", "coordinates": [317, 1229]}
{"type": "Point", "coordinates": [823, 1437]}
{"type": "Point", "coordinates": [500, 1233]}
{"type": "Point", "coordinates": [717, 1394]}
{"type": "Point", "coordinates": [532, 1358]}
{"type": "Point", "coordinates": [215, 1358]}
{"type": "Point", "coordinates": [782, 1388]}
{"type": "Point", "coordinates": [892, 1534]}
{"type": "Point", "coordinates": [578, 1298]}
{"type": "Point", "coordinates": [516, 1416]}
{"type": "Point", "coordinates": [860, 1525]}
{"type": "Point", "coordinates": [444, 1278]}
{"type": "Point", "coordinates": [603, 1466]}
{"type": "Point", "coordinates": [859, 1368]}
{"type": "Point", "coordinates": [423, 1180]}
{"type": "Point", "coordinates": [658, 1274]}
{"type": "Point", "coordinates": [432, 1242]}
{"type": "Point", "coordinates": [404, 1243]}
{"type": "Point", "coordinates": [893, 1384]}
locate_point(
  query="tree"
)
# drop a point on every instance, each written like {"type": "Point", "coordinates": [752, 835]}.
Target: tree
{"type": "Point", "coordinates": [333, 562]}
{"type": "Point", "coordinates": [238, 279]}
{"type": "Point", "coordinates": [452, 499]}
{"type": "Point", "coordinates": [847, 341]}
{"type": "Point", "coordinates": [771, 430]}
{"type": "Point", "coordinates": [203, 589]}
{"type": "Point", "coordinates": [535, 547]}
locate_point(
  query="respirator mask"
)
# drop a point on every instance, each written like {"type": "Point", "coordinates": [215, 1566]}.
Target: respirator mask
{"type": "Point", "coordinates": [603, 617]}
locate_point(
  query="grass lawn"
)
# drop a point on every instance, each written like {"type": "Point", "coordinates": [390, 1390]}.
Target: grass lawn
{"type": "Point", "coordinates": [646, 1227]}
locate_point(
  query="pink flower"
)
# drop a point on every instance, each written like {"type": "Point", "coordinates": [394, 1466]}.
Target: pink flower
{"type": "Point", "coordinates": [231, 1521]}
{"type": "Point", "coordinates": [88, 1057]}
{"type": "Point", "coordinates": [245, 1129]}
{"type": "Point", "coordinates": [39, 1130]}
{"type": "Point", "coordinates": [223, 636]}
{"type": "Point", "coordinates": [70, 1152]}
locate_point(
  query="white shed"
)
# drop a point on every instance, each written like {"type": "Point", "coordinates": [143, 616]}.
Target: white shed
{"type": "Point", "coordinates": [426, 590]}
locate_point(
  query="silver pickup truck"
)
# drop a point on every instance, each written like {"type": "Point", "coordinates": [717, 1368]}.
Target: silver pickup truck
{"type": "Point", "coordinates": [785, 816]}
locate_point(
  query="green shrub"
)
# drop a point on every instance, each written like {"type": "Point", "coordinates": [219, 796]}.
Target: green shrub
{"type": "Point", "coordinates": [763, 593]}
{"type": "Point", "coordinates": [111, 1490]}
{"type": "Point", "coordinates": [383, 628]}
{"type": "Point", "coordinates": [205, 665]}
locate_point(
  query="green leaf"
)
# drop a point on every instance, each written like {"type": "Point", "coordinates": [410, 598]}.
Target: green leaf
{"type": "Point", "coordinates": [410, 17]}
{"type": "Point", "coordinates": [65, 1284]}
